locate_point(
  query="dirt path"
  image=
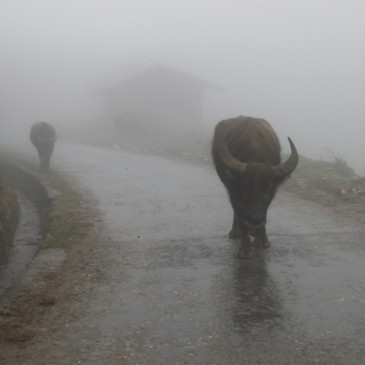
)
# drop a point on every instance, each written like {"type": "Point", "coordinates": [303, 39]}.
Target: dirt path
{"type": "Point", "coordinates": [161, 283]}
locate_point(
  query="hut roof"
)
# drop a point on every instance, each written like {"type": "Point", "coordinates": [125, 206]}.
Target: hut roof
{"type": "Point", "coordinates": [138, 67]}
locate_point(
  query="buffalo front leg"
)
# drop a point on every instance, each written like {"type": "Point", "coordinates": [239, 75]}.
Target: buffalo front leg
{"type": "Point", "coordinates": [261, 237]}
{"type": "Point", "coordinates": [236, 230]}
{"type": "Point", "coordinates": [43, 164]}
{"type": "Point", "coordinates": [46, 163]}
{"type": "Point", "coordinates": [246, 249]}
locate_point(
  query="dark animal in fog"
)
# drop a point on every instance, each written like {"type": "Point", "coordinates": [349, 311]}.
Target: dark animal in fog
{"type": "Point", "coordinates": [246, 154]}
{"type": "Point", "coordinates": [43, 136]}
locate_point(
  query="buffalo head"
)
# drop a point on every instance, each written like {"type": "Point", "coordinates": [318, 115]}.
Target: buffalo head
{"type": "Point", "coordinates": [254, 184]}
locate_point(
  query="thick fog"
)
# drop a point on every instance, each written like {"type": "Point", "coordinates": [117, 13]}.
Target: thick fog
{"type": "Point", "coordinates": [298, 64]}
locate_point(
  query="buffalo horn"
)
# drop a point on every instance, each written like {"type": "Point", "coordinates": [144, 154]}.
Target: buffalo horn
{"type": "Point", "coordinates": [230, 162]}
{"type": "Point", "coordinates": [287, 167]}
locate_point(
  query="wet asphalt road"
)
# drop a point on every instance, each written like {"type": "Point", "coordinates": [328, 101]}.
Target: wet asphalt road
{"type": "Point", "coordinates": [172, 290]}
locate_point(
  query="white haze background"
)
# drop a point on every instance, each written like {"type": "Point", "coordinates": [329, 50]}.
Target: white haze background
{"type": "Point", "coordinates": [299, 64]}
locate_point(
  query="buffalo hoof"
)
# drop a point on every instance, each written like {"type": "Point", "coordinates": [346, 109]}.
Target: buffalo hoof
{"type": "Point", "coordinates": [246, 253]}
{"type": "Point", "coordinates": [234, 234]}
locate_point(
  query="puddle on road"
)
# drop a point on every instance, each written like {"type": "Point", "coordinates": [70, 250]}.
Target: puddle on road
{"type": "Point", "coordinates": [25, 245]}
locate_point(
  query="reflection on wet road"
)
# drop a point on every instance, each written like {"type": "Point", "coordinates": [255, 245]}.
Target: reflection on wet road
{"type": "Point", "coordinates": [173, 292]}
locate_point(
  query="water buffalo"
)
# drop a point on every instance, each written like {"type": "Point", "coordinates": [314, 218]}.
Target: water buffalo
{"type": "Point", "coordinates": [246, 154]}
{"type": "Point", "coordinates": [43, 136]}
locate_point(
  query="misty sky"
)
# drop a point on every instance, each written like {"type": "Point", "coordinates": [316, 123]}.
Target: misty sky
{"type": "Point", "coordinates": [297, 63]}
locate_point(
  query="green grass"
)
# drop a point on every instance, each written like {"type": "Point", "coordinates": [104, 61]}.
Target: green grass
{"type": "Point", "coordinates": [70, 217]}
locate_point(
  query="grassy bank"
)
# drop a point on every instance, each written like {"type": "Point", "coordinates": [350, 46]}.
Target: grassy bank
{"type": "Point", "coordinates": [70, 216]}
{"type": "Point", "coordinates": [9, 216]}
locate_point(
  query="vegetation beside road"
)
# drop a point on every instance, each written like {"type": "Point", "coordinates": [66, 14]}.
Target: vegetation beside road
{"type": "Point", "coordinates": [9, 215]}
{"type": "Point", "coordinates": [68, 219]}
{"type": "Point", "coordinates": [72, 221]}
